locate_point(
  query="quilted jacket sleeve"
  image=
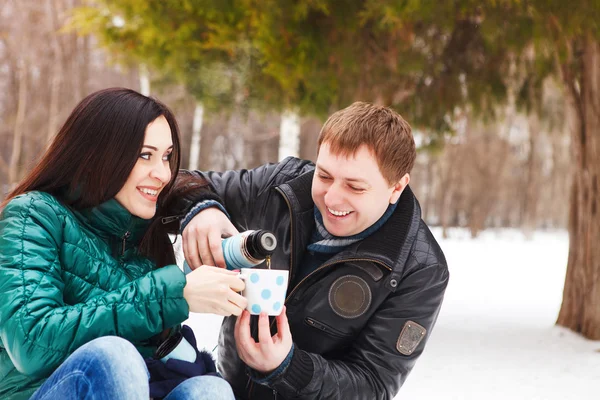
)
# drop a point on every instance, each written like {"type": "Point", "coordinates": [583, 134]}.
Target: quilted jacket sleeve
{"type": "Point", "coordinates": [37, 329]}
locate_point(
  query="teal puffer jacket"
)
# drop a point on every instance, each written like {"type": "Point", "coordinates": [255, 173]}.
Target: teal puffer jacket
{"type": "Point", "coordinates": [69, 277]}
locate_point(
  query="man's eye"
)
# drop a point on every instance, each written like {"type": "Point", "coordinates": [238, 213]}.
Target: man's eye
{"type": "Point", "coordinates": [356, 189]}
{"type": "Point", "coordinates": [325, 178]}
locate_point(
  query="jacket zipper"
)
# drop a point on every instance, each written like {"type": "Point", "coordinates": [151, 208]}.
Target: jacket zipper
{"type": "Point", "coordinates": [290, 272]}
{"type": "Point", "coordinates": [291, 241]}
{"type": "Point", "coordinates": [312, 273]}
{"type": "Point", "coordinates": [124, 238]}
{"type": "Point", "coordinates": [291, 231]}
{"type": "Point", "coordinates": [322, 266]}
{"type": "Point", "coordinates": [167, 220]}
{"type": "Point", "coordinates": [324, 328]}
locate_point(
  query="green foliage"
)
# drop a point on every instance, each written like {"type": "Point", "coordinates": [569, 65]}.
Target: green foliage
{"type": "Point", "coordinates": [424, 58]}
{"type": "Point", "coordinates": [194, 41]}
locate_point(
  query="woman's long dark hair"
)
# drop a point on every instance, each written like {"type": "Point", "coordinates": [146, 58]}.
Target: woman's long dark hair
{"type": "Point", "coordinates": [94, 152]}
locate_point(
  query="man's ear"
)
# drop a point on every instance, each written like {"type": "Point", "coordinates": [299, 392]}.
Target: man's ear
{"type": "Point", "coordinates": [399, 188]}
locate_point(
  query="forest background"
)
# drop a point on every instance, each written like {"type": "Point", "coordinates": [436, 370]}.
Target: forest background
{"type": "Point", "coordinates": [503, 96]}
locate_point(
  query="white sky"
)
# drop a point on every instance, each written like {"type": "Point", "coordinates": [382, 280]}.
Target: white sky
{"type": "Point", "coordinates": [495, 337]}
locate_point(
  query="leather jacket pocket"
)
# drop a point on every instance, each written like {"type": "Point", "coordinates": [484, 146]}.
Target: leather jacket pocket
{"type": "Point", "coordinates": [325, 328]}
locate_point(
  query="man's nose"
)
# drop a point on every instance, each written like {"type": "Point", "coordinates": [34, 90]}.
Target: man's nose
{"type": "Point", "coordinates": [334, 195]}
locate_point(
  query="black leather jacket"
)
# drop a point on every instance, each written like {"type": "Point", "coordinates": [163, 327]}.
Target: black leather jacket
{"type": "Point", "coordinates": [360, 321]}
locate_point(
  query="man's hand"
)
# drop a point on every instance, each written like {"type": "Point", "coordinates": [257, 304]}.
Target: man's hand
{"type": "Point", "coordinates": [266, 355]}
{"type": "Point", "coordinates": [202, 238]}
{"type": "Point", "coordinates": [213, 290]}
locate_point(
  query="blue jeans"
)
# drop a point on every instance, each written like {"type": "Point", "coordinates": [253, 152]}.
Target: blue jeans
{"type": "Point", "coordinates": [111, 368]}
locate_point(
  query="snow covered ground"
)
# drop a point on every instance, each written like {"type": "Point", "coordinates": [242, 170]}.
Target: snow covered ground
{"type": "Point", "coordinates": [495, 337]}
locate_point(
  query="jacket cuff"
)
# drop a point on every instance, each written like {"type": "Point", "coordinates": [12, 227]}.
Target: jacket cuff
{"type": "Point", "coordinates": [295, 377]}
{"type": "Point", "coordinates": [263, 379]}
{"type": "Point", "coordinates": [168, 283]}
{"type": "Point", "coordinates": [203, 205]}
{"type": "Point", "coordinates": [300, 371]}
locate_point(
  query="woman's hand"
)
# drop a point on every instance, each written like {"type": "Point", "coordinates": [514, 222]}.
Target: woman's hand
{"type": "Point", "coordinates": [213, 290]}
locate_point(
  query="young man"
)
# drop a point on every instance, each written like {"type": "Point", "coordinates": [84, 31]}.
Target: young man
{"type": "Point", "coordinates": [367, 278]}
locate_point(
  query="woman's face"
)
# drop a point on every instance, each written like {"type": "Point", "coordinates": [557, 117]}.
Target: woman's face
{"type": "Point", "coordinates": [151, 172]}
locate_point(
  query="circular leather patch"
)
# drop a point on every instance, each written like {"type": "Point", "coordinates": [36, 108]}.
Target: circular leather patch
{"type": "Point", "coordinates": [350, 296]}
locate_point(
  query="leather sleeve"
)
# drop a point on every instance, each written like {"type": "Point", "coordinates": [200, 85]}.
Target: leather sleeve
{"type": "Point", "coordinates": [240, 190]}
{"type": "Point", "coordinates": [188, 190]}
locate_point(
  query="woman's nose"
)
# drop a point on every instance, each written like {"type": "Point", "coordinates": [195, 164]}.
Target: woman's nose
{"type": "Point", "coordinates": [162, 172]}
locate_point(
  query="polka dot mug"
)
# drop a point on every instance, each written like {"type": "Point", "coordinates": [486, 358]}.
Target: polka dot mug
{"type": "Point", "coordinates": [265, 290]}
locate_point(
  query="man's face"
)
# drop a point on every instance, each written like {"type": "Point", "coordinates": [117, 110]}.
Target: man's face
{"type": "Point", "coordinates": [350, 192]}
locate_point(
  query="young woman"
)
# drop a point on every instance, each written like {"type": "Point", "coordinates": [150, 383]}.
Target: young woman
{"type": "Point", "coordinates": [88, 285]}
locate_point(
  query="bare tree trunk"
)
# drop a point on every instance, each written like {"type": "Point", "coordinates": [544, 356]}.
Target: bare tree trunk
{"type": "Point", "coordinates": [580, 310]}
{"type": "Point", "coordinates": [19, 121]}
{"type": "Point", "coordinates": [56, 74]}
{"type": "Point", "coordinates": [561, 173]}
{"type": "Point", "coordinates": [309, 133]}
{"type": "Point", "coordinates": [196, 129]}
{"type": "Point", "coordinates": [84, 66]}
{"type": "Point", "coordinates": [289, 137]}
{"type": "Point", "coordinates": [228, 149]}
{"type": "Point", "coordinates": [429, 186]}
{"type": "Point", "coordinates": [144, 80]}
{"type": "Point", "coordinates": [532, 186]}
{"type": "Point", "coordinates": [446, 188]}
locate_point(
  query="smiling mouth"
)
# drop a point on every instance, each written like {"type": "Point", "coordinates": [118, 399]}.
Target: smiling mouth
{"type": "Point", "coordinates": [150, 194]}
{"type": "Point", "coordinates": [338, 213]}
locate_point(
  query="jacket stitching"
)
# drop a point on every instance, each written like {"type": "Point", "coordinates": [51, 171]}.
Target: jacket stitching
{"type": "Point", "coordinates": [347, 311]}
{"type": "Point", "coordinates": [94, 257]}
{"type": "Point", "coordinates": [354, 283]}
{"type": "Point", "coordinates": [24, 309]}
{"type": "Point", "coordinates": [26, 296]}
{"type": "Point", "coordinates": [90, 284]}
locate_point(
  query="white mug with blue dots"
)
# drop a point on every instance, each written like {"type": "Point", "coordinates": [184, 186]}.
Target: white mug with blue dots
{"type": "Point", "coordinates": [265, 290]}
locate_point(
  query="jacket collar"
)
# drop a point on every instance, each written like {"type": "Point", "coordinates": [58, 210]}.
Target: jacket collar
{"type": "Point", "coordinates": [111, 220]}
{"type": "Point", "coordinates": [390, 245]}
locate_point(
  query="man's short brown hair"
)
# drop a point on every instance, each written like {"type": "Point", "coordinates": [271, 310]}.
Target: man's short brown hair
{"type": "Point", "coordinates": [381, 129]}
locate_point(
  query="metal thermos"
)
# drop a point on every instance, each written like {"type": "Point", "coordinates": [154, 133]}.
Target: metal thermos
{"type": "Point", "coordinates": [246, 249]}
{"type": "Point", "coordinates": [249, 248]}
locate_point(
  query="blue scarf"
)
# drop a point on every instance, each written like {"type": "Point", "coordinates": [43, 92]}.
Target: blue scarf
{"type": "Point", "coordinates": [324, 242]}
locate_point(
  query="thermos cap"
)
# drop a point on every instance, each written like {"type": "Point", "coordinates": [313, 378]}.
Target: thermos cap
{"type": "Point", "coordinates": [248, 248]}
{"type": "Point", "coordinates": [260, 244]}
{"type": "Point", "coordinates": [267, 241]}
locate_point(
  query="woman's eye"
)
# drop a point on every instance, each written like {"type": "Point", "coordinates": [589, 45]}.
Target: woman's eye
{"type": "Point", "coordinates": [145, 156]}
{"type": "Point", "coordinates": [325, 178]}
{"type": "Point", "coordinates": [168, 157]}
